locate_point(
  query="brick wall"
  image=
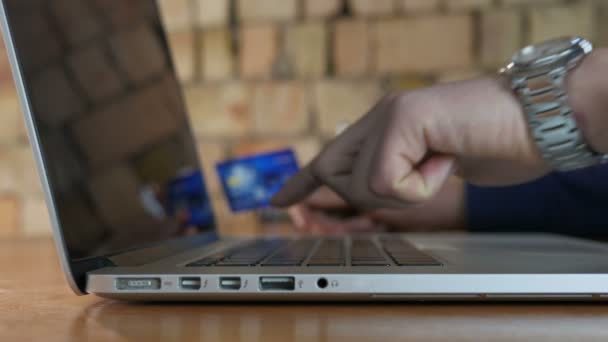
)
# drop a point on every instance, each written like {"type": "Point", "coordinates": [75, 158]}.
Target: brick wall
{"type": "Point", "coordinates": [263, 74]}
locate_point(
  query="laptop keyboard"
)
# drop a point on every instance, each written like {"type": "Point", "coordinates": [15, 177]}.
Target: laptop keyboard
{"type": "Point", "coordinates": [357, 251]}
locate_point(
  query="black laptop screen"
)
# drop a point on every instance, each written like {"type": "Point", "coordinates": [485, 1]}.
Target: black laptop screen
{"type": "Point", "coordinates": [110, 122]}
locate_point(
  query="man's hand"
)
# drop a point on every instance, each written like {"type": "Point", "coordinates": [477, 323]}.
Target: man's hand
{"type": "Point", "coordinates": [324, 212]}
{"type": "Point", "coordinates": [403, 151]}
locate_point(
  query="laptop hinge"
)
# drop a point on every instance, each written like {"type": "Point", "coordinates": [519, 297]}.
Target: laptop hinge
{"type": "Point", "coordinates": [81, 267]}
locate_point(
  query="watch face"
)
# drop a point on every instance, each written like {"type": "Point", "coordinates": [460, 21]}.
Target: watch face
{"type": "Point", "coordinates": [543, 52]}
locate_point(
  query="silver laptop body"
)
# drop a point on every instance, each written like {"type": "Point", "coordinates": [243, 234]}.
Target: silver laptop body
{"type": "Point", "coordinates": [132, 218]}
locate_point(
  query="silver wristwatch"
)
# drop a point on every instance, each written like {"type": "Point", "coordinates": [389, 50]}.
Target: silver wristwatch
{"type": "Point", "coordinates": [538, 77]}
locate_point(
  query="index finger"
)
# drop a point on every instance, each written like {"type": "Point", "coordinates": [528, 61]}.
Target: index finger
{"type": "Point", "coordinates": [297, 188]}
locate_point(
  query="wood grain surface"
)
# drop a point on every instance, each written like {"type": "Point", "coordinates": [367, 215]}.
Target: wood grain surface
{"type": "Point", "coordinates": [36, 304]}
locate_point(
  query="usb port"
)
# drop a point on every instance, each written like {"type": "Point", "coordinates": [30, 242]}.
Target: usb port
{"type": "Point", "coordinates": [277, 283]}
{"type": "Point", "coordinates": [190, 283]}
{"type": "Point", "coordinates": [230, 283]}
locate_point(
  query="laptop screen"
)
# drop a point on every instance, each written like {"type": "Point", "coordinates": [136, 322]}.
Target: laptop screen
{"type": "Point", "coordinates": [110, 122]}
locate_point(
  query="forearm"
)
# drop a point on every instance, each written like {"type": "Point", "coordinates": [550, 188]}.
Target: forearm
{"type": "Point", "coordinates": [588, 96]}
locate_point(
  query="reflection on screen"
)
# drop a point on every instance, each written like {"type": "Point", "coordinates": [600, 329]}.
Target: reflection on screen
{"type": "Point", "coordinates": [111, 123]}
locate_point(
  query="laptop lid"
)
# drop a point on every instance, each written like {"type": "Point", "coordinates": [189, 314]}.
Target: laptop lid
{"type": "Point", "coordinates": [109, 129]}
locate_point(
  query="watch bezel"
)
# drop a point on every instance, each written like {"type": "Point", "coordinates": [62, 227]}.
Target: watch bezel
{"type": "Point", "coordinates": [569, 56]}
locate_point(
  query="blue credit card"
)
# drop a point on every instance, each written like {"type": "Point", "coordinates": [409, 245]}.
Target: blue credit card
{"type": "Point", "coordinates": [249, 183]}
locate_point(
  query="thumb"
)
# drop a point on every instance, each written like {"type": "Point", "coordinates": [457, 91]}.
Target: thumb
{"type": "Point", "coordinates": [423, 181]}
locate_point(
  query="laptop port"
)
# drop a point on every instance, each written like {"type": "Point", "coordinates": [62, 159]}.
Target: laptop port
{"type": "Point", "coordinates": [190, 283]}
{"type": "Point", "coordinates": [138, 283]}
{"type": "Point", "coordinates": [277, 283]}
{"type": "Point", "coordinates": [230, 283]}
{"type": "Point", "coordinates": [322, 283]}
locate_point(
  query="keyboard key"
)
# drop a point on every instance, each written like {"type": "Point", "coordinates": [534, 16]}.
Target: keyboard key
{"type": "Point", "coordinates": [293, 254]}
{"type": "Point", "coordinates": [405, 254]}
{"type": "Point", "coordinates": [326, 263]}
{"type": "Point", "coordinates": [248, 254]}
{"type": "Point", "coordinates": [364, 252]}
{"type": "Point", "coordinates": [370, 263]}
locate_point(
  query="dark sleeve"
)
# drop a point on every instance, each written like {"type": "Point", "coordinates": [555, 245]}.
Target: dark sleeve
{"type": "Point", "coordinates": [574, 203]}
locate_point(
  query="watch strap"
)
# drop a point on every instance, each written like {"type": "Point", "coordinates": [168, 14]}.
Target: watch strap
{"type": "Point", "coordinates": [552, 121]}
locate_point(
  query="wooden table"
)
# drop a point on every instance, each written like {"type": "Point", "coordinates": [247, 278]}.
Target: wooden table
{"type": "Point", "coordinates": [36, 304]}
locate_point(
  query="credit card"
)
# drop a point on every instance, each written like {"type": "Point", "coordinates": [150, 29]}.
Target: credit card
{"type": "Point", "coordinates": [250, 182]}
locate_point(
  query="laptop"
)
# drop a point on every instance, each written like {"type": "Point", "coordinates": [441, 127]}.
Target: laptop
{"type": "Point", "coordinates": [132, 217]}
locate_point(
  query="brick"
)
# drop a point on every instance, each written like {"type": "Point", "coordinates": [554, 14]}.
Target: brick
{"type": "Point", "coordinates": [501, 37]}
{"type": "Point", "coordinates": [459, 75]}
{"type": "Point", "coordinates": [139, 52]}
{"type": "Point", "coordinates": [460, 5]}
{"type": "Point", "coordinates": [182, 51]}
{"type": "Point", "coordinates": [220, 110]}
{"type": "Point", "coordinates": [217, 58]}
{"type": "Point", "coordinates": [258, 50]}
{"type": "Point", "coordinates": [231, 224]}
{"type": "Point", "coordinates": [419, 6]}
{"type": "Point", "coordinates": [213, 13]}
{"type": "Point", "coordinates": [210, 154]}
{"type": "Point", "coordinates": [267, 10]}
{"type": "Point", "coordinates": [372, 8]}
{"type": "Point", "coordinates": [306, 46]}
{"type": "Point", "coordinates": [11, 120]}
{"type": "Point", "coordinates": [42, 43]}
{"type": "Point", "coordinates": [305, 148]}
{"type": "Point", "coordinates": [406, 83]}
{"type": "Point", "coordinates": [99, 80]}
{"type": "Point", "coordinates": [116, 195]}
{"type": "Point", "coordinates": [338, 102]}
{"type": "Point", "coordinates": [280, 107]}
{"type": "Point", "coordinates": [176, 14]}
{"type": "Point", "coordinates": [18, 173]}
{"type": "Point", "coordinates": [35, 218]}
{"type": "Point", "coordinates": [421, 44]}
{"type": "Point", "coordinates": [351, 47]}
{"type": "Point", "coordinates": [322, 8]}
{"type": "Point", "coordinates": [10, 217]}
{"type": "Point", "coordinates": [26, 178]}
{"type": "Point", "coordinates": [508, 3]}
{"type": "Point", "coordinates": [552, 22]}
{"type": "Point", "coordinates": [55, 96]}
{"type": "Point", "coordinates": [7, 171]}
{"type": "Point", "coordinates": [6, 75]}
{"type": "Point", "coordinates": [77, 21]}
{"type": "Point", "coordinates": [152, 118]}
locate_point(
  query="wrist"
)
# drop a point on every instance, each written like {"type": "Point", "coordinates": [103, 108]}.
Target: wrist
{"type": "Point", "coordinates": [588, 96]}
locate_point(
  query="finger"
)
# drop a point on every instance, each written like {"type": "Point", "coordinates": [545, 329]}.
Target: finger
{"type": "Point", "coordinates": [423, 182]}
{"type": "Point", "coordinates": [300, 186]}
{"type": "Point", "coordinates": [298, 215]}
{"type": "Point", "coordinates": [361, 192]}
{"type": "Point", "coordinates": [405, 169]}
{"type": "Point", "coordinates": [325, 198]}
{"type": "Point", "coordinates": [321, 223]}
{"type": "Point", "coordinates": [334, 164]}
